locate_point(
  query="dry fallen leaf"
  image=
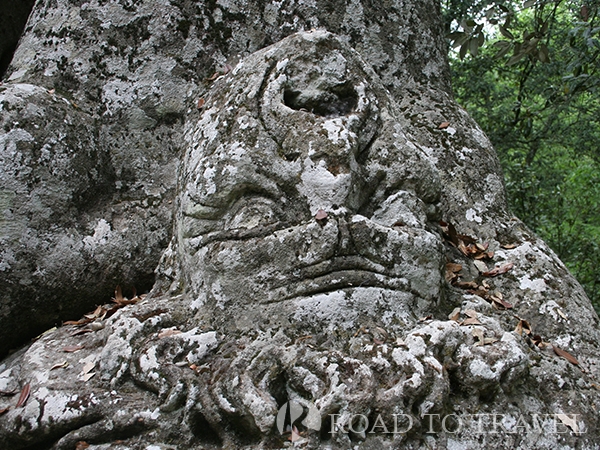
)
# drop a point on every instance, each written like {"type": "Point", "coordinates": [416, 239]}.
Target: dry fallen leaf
{"type": "Point", "coordinates": [168, 332]}
{"type": "Point", "coordinates": [508, 246]}
{"type": "Point", "coordinates": [200, 103]}
{"type": "Point", "coordinates": [87, 376]}
{"type": "Point", "coordinates": [3, 410]}
{"type": "Point", "coordinates": [455, 314]}
{"type": "Point", "coordinates": [479, 336]}
{"type": "Point", "coordinates": [569, 422]}
{"type": "Point", "coordinates": [481, 266]}
{"type": "Point", "coordinates": [523, 327]}
{"type": "Point", "coordinates": [24, 395]}
{"type": "Point", "coordinates": [564, 354]}
{"type": "Point", "coordinates": [60, 365]}
{"type": "Point", "coordinates": [72, 348]}
{"type": "Point", "coordinates": [214, 76]}
{"type": "Point", "coordinates": [499, 270]}
{"type": "Point", "coordinates": [88, 367]}
{"type": "Point", "coordinates": [453, 267]}
{"type": "Point", "coordinates": [466, 285]}
{"type": "Point", "coordinates": [81, 445]}
{"type": "Point", "coordinates": [443, 125]}
{"type": "Point", "coordinates": [471, 321]}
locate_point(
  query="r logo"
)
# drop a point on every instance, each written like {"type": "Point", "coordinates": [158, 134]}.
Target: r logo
{"type": "Point", "coordinates": [291, 412]}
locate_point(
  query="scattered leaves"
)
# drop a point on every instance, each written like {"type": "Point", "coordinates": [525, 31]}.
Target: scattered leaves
{"type": "Point", "coordinates": [72, 348]}
{"type": "Point", "coordinates": [24, 395]}
{"type": "Point", "coordinates": [499, 270]}
{"type": "Point", "coordinates": [61, 365]}
{"type": "Point", "coordinates": [104, 311]}
{"type": "Point", "coordinates": [564, 354]}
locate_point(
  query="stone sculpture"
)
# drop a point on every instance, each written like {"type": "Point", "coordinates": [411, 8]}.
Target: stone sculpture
{"type": "Point", "coordinates": [309, 289]}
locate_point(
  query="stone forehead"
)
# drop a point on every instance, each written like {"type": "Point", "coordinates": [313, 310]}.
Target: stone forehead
{"type": "Point", "coordinates": [306, 96]}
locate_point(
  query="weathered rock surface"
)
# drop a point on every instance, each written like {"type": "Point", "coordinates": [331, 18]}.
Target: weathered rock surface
{"type": "Point", "coordinates": [308, 265]}
{"type": "Point", "coordinates": [132, 72]}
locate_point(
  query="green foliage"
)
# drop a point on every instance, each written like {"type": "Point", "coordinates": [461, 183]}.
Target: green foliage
{"type": "Point", "coordinates": [533, 83]}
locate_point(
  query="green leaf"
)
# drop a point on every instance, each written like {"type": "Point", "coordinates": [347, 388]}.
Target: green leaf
{"type": "Point", "coordinates": [543, 53]}
{"type": "Point", "coordinates": [474, 46]}
{"type": "Point", "coordinates": [463, 50]}
{"type": "Point", "coordinates": [515, 59]}
{"type": "Point", "coordinates": [507, 34]}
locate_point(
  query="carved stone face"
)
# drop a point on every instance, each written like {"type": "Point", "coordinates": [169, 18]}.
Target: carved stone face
{"type": "Point", "coordinates": [292, 135]}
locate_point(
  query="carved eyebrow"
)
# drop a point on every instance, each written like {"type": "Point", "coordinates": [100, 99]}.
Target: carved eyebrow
{"type": "Point", "coordinates": [241, 234]}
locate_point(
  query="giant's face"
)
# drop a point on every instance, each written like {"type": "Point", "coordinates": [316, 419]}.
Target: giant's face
{"type": "Point", "coordinates": [295, 131]}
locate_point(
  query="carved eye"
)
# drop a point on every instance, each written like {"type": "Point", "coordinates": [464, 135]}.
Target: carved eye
{"type": "Point", "coordinates": [336, 101]}
{"type": "Point", "coordinates": [251, 212]}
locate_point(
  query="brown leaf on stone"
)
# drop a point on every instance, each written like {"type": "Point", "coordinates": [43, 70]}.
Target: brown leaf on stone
{"type": "Point", "coordinates": [523, 327]}
{"type": "Point", "coordinates": [537, 340]}
{"type": "Point", "coordinates": [443, 125]}
{"type": "Point", "coordinates": [81, 445]}
{"type": "Point", "coordinates": [82, 331]}
{"type": "Point", "coordinates": [482, 247]}
{"type": "Point", "coordinates": [500, 303]}
{"type": "Point", "coordinates": [455, 314]}
{"type": "Point", "coordinates": [4, 410]}
{"type": "Point", "coordinates": [454, 267]}
{"type": "Point", "coordinates": [24, 395]}
{"type": "Point", "coordinates": [72, 348]}
{"type": "Point", "coordinates": [508, 246]}
{"type": "Point", "coordinates": [564, 354]}
{"type": "Point", "coordinates": [61, 365]}
{"type": "Point", "coordinates": [466, 238]}
{"type": "Point", "coordinates": [168, 332]}
{"type": "Point", "coordinates": [77, 322]}
{"type": "Point", "coordinates": [214, 76]}
{"type": "Point", "coordinates": [466, 285]}
{"type": "Point", "coordinates": [426, 318]}
{"type": "Point", "coordinates": [87, 376]}
{"type": "Point", "coordinates": [452, 271]}
{"type": "Point", "coordinates": [471, 321]}
{"type": "Point", "coordinates": [499, 270]}
{"type": "Point", "coordinates": [200, 103]}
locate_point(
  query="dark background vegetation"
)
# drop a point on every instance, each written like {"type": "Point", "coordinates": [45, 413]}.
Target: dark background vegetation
{"type": "Point", "coordinates": [528, 72]}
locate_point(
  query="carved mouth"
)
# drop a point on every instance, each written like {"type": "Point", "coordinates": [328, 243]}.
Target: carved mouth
{"type": "Point", "coordinates": [337, 274]}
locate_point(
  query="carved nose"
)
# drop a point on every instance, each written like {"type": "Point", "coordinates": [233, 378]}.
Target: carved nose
{"type": "Point", "coordinates": [345, 245]}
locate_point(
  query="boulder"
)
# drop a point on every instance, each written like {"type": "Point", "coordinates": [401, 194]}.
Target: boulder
{"type": "Point", "coordinates": [343, 273]}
